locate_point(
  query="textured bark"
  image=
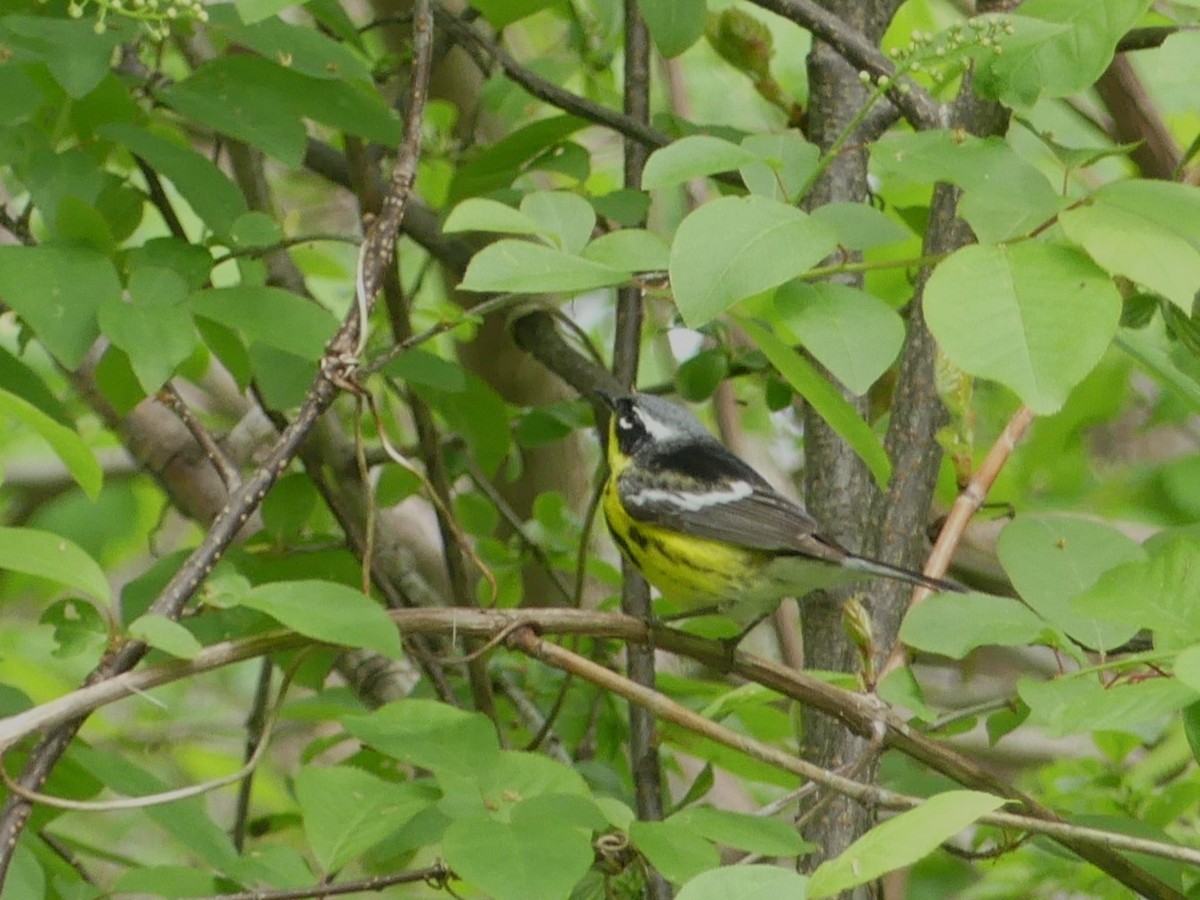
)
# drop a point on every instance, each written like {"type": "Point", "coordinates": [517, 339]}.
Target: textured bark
{"type": "Point", "coordinates": [838, 487]}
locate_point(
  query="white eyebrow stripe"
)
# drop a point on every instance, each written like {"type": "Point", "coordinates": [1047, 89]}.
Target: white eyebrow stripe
{"type": "Point", "coordinates": [660, 431]}
{"type": "Point", "coordinates": [692, 502]}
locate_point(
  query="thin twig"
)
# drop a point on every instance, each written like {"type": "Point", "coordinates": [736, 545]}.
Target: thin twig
{"type": "Point", "coordinates": [436, 876]}
{"type": "Point", "coordinates": [256, 724]}
{"type": "Point", "coordinates": [629, 126]}
{"type": "Point", "coordinates": [478, 311]}
{"type": "Point", "coordinates": [226, 471]}
{"type": "Point", "coordinates": [966, 504]}
{"type": "Point", "coordinates": [159, 199]}
{"type": "Point", "coordinates": [509, 515]}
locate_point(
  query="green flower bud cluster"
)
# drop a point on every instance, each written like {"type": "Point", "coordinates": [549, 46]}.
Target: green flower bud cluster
{"type": "Point", "coordinates": [155, 16]}
{"type": "Point", "coordinates": [940, 54]}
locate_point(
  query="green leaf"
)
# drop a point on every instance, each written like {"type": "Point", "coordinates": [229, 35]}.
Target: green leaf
{"type": "Point", "coordinates": [347, 811]}
{"type": "Point", "coordinates": [482, 214]}
{"type": "Point", "coordinates": [1004, 196]}
{"type": "Point", "coordinates": [786, 164]}
{"type": "Point", "coordinates": [164, 634]}
{"type": "Point", "coordinates": [524, 267]}
{"type": "Point", "coordinates": [1191, 728]}
{"type": "Point", "coordinates": [191, 262]}
{"type": "Point", "coordinates": [1175, 207]}
{"type": "Point", "coordinates": [1034, 317]}
{"type": "Point", "coordinates": [476, 412]}
{"type": "Point", "coordinates": [51, 556]}
{"type": "Point", "coordinates": [1060, 47]}
{"type": "Point", "coordinates": [824, 398]}
{"type": "Point", "coordinates": [693, 156]}
{"type": "Point", "coordinates": [422, 367]}
{"type": "Point", "coordinates": [67, 445]}
{"type": "Point", "coordinates": [900, 687]}
{"type": "Point", "coordinates": [166, 881]}
{"type": "Point", "coordinates": [255, 229]}
{"type": "Point", "coordinates": [496, 166]}
{"type": "Point", "coordinates": [674, 24]}
{"type": "Point", "coordinates": [185, 820]}
{"type": "Point", "coordinates": [1052, 559]}
{"type": "Point", "coordinates": [260, 102]}
{"type": "Point", "coordinates": [208, 190]}
{"type": "Point", "coordinates": [20, 380]}
{"type": "Point", "coordinates": [26, 879]}
{"type": "Point", "coordinates": [251, 11]}
{"type": "Point", "coordinates": [553, 422]}
{"type": "Point", "coordinates": [76, 55]}
{"type": "Point", "coordinates": [78, 626]}
{"type": "Point", "coordinates": [675, 851]}
{"type": "Point", "coordinates": [527, 859]}
{"type": "Point", "coordinates": [58, 290]}
{"type": "Point", "coordinates": [860, 226]}
{"type": "Point", "coordinates": [517, 777]}
{"type": "Point", "coordinates": [1167, 588]}
{"type": "Point", "coordinates": [154, 327]}
{"type": "Point", "coordinates": [626, 207]}
{"type": "Point", "coordinates": [1187, 667]}
{"type": "Point", "coordinates": [735, 247]}
{"type": "Point", "coordinates": [565, 217]}
{"type": "Point", "coordinates": [270, 316]}
{"type": "Point", "coordinates": [901, 841]}
{"type": "Point", "coordinates": [430, 735]}
{"type": "Point", "coordinates": [955, 624]}
{"type": "Point", "coordinates": [504, 12]}
{"type": "Point", "coordinates": [697, 378]}
{"type": "Point", "coordinates": [630, 250]}
{"type": "Point", "coordinates": [327, 611]}
{"type": "Point", "coordinates": [307, 50]}
{"type": "Point", "coordinates": [853, 334]}
{"type": "Point", "coordinates": [1148, 351]}
{"type": "Point", "coordinates": [281, 377]}
{"type": "Point", "coordinates": [20, 97]}
{"type": "Point", "coordinates": [237, 105]}
{"type": "Point", "coordinates": [1065, 706]}
{"type": "Point", "coordinates": [756, 882]}
{"type": "Point", "coordinates": [743, 831]}
{"type": "Point", "coordinates": [288, 506]}
{"type": "Point", "coordinates": [1126, 243]}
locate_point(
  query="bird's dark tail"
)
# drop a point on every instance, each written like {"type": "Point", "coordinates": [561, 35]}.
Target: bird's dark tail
{"type": "Point", "coordinates": [896, 573]}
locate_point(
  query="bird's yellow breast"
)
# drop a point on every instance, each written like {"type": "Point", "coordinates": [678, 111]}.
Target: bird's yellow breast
{"type": "Point", "coordinates": [690, 571]}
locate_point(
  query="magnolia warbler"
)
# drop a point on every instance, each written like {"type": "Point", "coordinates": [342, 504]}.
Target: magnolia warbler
{"type": "Point", "coordinates": [706, 529]}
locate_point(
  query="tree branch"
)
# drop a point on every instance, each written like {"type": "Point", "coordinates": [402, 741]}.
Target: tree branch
{"type": "Point", "coordinates": [628, 125]}
{"type": "Point", "coordinates": [862, 713]}
{"type": "Point", "coordinates": [916, 104]}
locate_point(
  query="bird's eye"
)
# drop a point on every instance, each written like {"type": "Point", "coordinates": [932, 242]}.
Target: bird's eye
{"type": "Point", "coordinates": [625, 423]}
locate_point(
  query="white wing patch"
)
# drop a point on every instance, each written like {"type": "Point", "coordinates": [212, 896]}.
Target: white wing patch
{"type": "Point", "coordinates": [694, 502]}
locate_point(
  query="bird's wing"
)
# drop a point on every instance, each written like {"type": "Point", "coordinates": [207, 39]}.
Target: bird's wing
{"type": "Point", "coordinates": [717, 496]}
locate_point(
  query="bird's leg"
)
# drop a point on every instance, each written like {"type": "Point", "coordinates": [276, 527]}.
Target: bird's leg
{"type": "Point", "coordinates": [730, 644]}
